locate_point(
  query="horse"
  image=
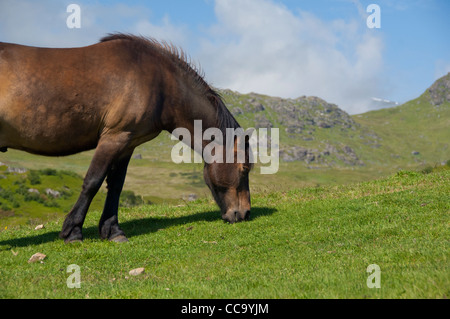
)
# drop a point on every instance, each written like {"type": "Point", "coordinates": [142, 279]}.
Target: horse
{"type": "Point", "coordinates": [112, 96]}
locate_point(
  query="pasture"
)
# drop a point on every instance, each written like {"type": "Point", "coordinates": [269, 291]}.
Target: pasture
{"type": "Point", "coordinates": [313, 242]}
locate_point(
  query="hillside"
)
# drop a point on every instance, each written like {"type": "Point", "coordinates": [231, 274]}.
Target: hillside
{"type": "Point", "coordinates": [417, 132]}
{"type": "Point", "coordinates": [312, 131]}
{"type": "Point", "coordinates": [320, 134]}
{"type": "Point", "coordinates": [34, 196]}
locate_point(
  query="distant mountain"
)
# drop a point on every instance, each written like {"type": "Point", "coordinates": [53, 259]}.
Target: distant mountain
{"type": "Point", "coordinates": [311, 130]}
{"type": "Point", "coordinates": [377, 103]}
{"type": "Point", "coordinates": [320, 134]}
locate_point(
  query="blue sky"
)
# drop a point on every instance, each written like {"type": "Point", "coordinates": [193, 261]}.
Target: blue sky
{"type": "Point", "coordinates": [286, 48]}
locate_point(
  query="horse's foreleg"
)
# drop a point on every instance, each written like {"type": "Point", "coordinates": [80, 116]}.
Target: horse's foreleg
{"type": "Point", "coordinates": [109, 150]}
{"type": "Point", "coordinates": [109, 223]}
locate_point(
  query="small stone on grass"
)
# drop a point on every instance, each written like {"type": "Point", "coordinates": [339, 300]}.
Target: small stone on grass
{"type": "Point", "coordinates": [137, 271]}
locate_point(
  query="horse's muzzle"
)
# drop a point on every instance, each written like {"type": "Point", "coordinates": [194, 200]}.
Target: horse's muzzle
{"type": "Point", "coordinates": [235, 216]}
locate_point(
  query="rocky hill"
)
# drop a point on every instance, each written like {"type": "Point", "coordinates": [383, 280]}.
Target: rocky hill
{"type": "Point", "coordinates": [439, 92]}
{"type": "Point", "coordinates": [311, 130]}
{"type": "Point", "coordinates": [320, 134]}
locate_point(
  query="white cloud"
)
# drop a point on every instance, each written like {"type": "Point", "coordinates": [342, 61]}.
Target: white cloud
{"type": "Point", "coordinates": [178, 35]}
{"type": "Point", "coordinates": [261, 46]}
{"type": "Point", "coordinates": [256, 45]}
{"type": "Point", "coordinates": [43, 23]}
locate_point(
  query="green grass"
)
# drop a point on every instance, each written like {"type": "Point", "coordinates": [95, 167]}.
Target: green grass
{"type": "Point", "coordinates": [312, 242]}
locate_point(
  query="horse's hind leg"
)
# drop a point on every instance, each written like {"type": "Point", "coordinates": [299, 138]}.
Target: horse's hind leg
{"type": "Point", "coordinates": [109, 150]}
{"type": "Point", "coordinates": [109, 223]}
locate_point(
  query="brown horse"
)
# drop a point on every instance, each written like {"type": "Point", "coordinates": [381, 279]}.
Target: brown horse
{"type": "Point", "coordinates": [111, 96]}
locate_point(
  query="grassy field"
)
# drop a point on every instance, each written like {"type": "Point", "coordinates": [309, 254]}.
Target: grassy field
{"type": "Point", "coordinates": [313, 242]}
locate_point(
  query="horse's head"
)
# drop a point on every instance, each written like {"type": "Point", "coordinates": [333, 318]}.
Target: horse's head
{"type": "Point", "coordinates": [229, 184]}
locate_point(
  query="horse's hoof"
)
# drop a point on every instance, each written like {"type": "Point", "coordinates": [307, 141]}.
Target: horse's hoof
{"type": "Point", "coordinates": [119, 239]}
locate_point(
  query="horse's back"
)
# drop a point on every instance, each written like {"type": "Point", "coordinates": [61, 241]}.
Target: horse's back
{"type": "Point", "coordinates": [59, 101]}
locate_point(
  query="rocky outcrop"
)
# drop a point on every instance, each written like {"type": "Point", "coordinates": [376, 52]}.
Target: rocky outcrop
{"type": "Point", "coordinates": [52, 192]}
{"type": "Point", "coordinates": [328, 155]}
{"type": "Point", "coordinates": [440, 91]}
{"type": "Point", "coordinates": [301, 120]}
{"type": "Point", "coordinates": [296, 115]}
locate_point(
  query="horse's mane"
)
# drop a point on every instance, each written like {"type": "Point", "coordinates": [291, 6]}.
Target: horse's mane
{"type": "Point", "coordinates": [181, 60]}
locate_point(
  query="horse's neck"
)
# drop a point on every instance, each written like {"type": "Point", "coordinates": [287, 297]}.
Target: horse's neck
{"type": "Point", "coordinates": [197, 116]}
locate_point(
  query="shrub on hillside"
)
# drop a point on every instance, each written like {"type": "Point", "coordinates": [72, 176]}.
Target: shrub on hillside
{"type": "Point", "coordinates": [130, 199]}
{"type": "Point", "coordinates": [34, 177]}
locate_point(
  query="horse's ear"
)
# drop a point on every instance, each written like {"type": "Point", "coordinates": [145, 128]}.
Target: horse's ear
{"type": "Point", "coordinates": [247, 135]}
{"type": "Point", "coordinates": [249, 132]}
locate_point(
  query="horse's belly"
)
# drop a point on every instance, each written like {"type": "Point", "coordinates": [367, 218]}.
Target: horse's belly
{"type": "Point", "coordinates": [49, 134]}
{"type": "Point", "coordinates": [64, 143]}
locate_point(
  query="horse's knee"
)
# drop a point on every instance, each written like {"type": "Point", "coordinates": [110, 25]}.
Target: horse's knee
{"type": "Point", "coordinates": [91, 187]}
